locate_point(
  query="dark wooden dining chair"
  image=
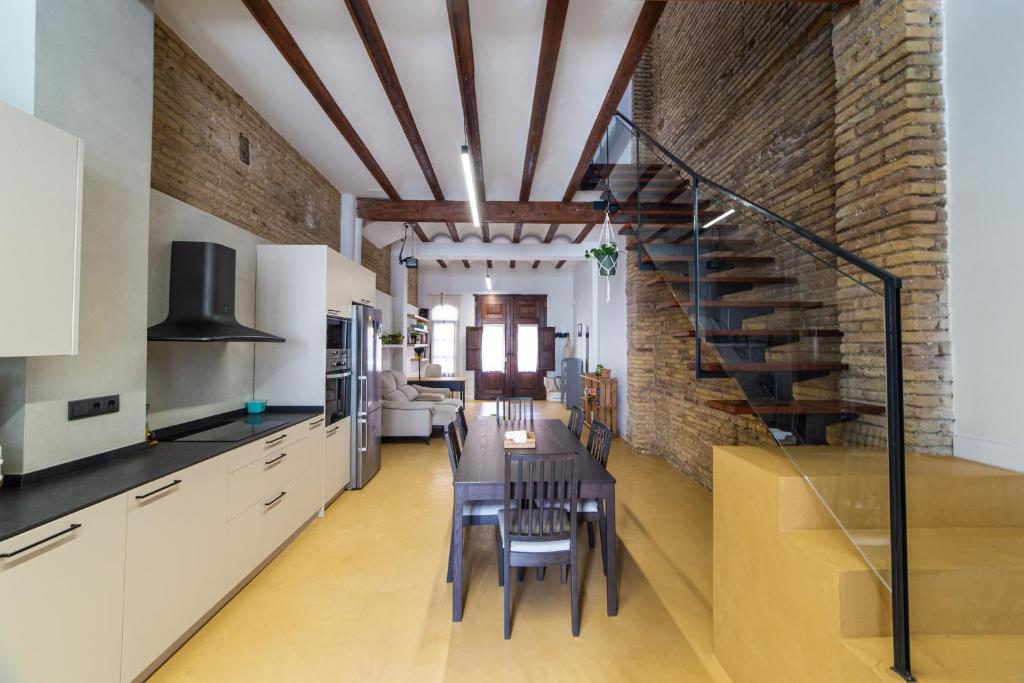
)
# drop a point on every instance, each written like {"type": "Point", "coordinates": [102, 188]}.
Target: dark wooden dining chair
{"type": "Point", "coordinates": [591, 510]}
{"type": "Point", "coordinates": [514, 408]}
{"type": "Point", "coordinates": [461, 423]}
{"type": "Point", "coordinates": [479, 513]}
{"type": "Point", "coordinates": [576, 421]}
{"type": "Point", "coordinates": [544, 533]}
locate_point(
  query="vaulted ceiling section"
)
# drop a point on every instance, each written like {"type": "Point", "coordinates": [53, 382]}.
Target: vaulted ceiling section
{"type": "Point", "coordinates": [381, 95]}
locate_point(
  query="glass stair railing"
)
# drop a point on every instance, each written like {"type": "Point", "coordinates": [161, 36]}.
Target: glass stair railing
{"type": "Point", "coordinates": [809, 332]}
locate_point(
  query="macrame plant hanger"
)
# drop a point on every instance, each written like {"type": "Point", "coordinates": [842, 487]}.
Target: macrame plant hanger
{"type": "Point", "coordinates": [607, 236]}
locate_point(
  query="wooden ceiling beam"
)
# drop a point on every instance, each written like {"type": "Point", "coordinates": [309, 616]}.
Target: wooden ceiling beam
{"type": "Point", "coordinates": [462, 46]}
{"type": "Point", "coordinates": [550, 43]}
{"type": "Point", "coordinates": [579, 239]}
{"type": "Point", "coordinates": [279, 34]}
{"type": "Point", "coordinates": [646, 22]}
{"type": "Point", "coordinates": [433, 211]}
{"type": "Point", "coordinates": [377, 51]}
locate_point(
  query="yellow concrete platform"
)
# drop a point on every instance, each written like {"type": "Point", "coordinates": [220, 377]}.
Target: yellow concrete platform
{"type": "Point", "coordinates": [794, 596]}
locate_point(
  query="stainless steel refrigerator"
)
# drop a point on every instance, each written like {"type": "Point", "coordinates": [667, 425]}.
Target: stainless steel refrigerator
{"type": "Point", "coordinates": [366, 400]}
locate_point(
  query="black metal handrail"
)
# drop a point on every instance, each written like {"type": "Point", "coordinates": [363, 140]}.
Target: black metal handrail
{"type": "Point", "coordinates": [832, 248]}
{"type": "Point", "coordinates": [894, 378]}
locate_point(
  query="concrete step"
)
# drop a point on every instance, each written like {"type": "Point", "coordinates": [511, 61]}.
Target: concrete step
{"type": "Point", "coordinates": [947, 659]}
{"type": "Point", "coordinates": [941, 491]}
{"type": "Point", "coordinates": [962, 581]}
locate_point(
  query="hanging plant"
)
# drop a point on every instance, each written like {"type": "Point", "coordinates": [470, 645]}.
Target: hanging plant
{"type": "Point", "coordinates": [606, 255]}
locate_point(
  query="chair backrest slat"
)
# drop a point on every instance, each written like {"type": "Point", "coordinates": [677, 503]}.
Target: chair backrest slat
{"type": "Point", "coordinates": [576, 421]}
{"type": "Point", "coordinates": [463, 425]}
{"type": "Point", "coordinates": [545, 488]}
{"type": "Point", "coordinates": [600, 442]}
{"type": "Point", "coordinates": [514, 408]}
{"type": "Point", "coordinates": [454, 448]}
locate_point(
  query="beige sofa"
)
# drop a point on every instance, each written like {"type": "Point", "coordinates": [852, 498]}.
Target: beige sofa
{"type": "Point", "coordinates": [409, 410]}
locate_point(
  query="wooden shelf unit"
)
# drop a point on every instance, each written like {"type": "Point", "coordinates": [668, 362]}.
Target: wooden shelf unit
{"type": "Point", "coordinates": [600, 400]}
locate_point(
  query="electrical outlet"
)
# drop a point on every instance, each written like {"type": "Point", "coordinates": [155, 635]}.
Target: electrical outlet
{"type": "Point", "coordinates": [91, 407]}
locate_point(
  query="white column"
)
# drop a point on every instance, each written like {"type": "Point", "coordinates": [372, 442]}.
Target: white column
{"type": "Point", "coordinates": [348, 225]}
{"type": "Point", "coordinates": [357, 241]}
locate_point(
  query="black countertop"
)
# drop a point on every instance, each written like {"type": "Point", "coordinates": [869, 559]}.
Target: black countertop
{"type": "Point", "coordinates": [32, 505]}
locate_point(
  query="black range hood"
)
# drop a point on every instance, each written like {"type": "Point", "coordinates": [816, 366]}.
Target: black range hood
{"type": "Point", "coordinates": [202, 298]}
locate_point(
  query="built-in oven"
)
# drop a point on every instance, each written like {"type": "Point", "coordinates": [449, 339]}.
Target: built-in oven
{"type": "Point", "coordinates": [337, 392]}
{"type": "Point", "coordinates": [338, 397]}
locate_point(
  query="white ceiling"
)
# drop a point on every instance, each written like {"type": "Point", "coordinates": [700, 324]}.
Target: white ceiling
{"type": "Point", "coordinates": [506, 44]}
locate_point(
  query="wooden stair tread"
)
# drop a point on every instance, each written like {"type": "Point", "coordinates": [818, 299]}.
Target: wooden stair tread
{"type": "Point", "coordinates": [740, 407]}
{"type": "Point", "coordinates": [730, 258]}
{"type": "Point", "coordinates": [772, 366]}
{"type": "Point", "coordinates": [743, 303]}
{"type": "Point", "coordinates": [795, 332]}
{"type": "Point", "coordinates": [678, 278]}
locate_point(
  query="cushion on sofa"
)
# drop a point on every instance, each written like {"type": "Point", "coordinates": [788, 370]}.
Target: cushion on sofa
{"type": "Point", "coordinates": [428, 396]}
{"type": "Point", "coordinates": [387, 383]}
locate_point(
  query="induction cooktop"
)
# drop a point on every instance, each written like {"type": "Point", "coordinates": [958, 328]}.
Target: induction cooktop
{"type": "Point", "coordinates": [235, 430]}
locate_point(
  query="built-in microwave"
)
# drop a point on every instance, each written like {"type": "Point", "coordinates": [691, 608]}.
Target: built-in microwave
{"type": "Point", "coordinates": [339, 344]}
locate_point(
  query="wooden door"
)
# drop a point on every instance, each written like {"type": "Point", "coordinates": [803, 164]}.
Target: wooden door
{"type": "Point", "coordinates": [491, 341]}
{"type": "Point", "coordinates": [510, 349]}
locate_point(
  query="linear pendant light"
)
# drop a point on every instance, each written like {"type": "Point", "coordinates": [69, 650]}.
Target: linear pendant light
{"type": "Point", "coordinates": [719, 219]}
{"type": "Point", "coordinates": [487, 280]}
{"type": "Point", "coordinates": [467, 171]}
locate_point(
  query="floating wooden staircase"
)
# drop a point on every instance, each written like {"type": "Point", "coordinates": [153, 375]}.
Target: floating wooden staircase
{"type": "Point", "coordinates": [729, 266]}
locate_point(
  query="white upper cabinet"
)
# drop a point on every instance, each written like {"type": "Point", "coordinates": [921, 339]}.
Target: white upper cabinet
{"type": "Point", "coordinates": [339, 284]}
{"type": "Point", "coordinates": [364, 286]}
{"type": "Point", "coordinates": [40, 236]}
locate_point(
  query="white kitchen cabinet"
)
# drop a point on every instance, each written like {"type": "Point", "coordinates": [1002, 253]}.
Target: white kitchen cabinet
{"type": "Point", "coordinates": [339, 284]}
{"type": "Point", "coordinates": [337, 458]}
{"type": "Point", "coordinates": [258, 531]}
{"type": "Point", "coordinates": [40, 234]}
{"type": "Point", "coordinates": [175, 566]}
{"type": "Point", "coordinates": [268, 472]}
{"type": "Point", "coordinates": [315, 459]}
{"type": "Point", "coordinates": [364, 286]}
{"type": "Point", "coordinates": [61, 600]}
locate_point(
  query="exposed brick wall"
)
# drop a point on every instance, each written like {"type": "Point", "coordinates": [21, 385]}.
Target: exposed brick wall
{"type": "Point", "coordinates": [890, 201]}
{"type": "Point", "coordinates": [831, 117]}
{"type": "Point", "coordinates": [379, 261]}
{"type": "Point", "coordinates": [744, 94]}
{"type": "Point", "coordinates": [197, 120]}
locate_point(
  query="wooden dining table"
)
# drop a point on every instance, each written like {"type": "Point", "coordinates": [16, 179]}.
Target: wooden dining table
{"type": "Point", "coordinates": [480, 476]}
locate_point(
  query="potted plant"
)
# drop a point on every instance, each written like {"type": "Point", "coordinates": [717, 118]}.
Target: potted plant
{"type": "Point", "coordinates": [606, 255]}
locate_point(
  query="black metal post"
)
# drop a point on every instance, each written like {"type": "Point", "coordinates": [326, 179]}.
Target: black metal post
{"type": "Point", "coordinates": [897, 483]}
{"type": "Point", "coordinates": [695, 275]}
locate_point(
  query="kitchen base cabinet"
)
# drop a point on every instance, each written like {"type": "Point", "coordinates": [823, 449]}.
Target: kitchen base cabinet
{"type": "Point", "coordinates": [258, 531]}
{"type": "Point", "coordinates": [175, 567]}
{"type": "Point", "coordinates": [337, 458]}
{"type": "Point", "coordinates": [315, 458]}
{"type": "Point", "coordinates": [61, 600]}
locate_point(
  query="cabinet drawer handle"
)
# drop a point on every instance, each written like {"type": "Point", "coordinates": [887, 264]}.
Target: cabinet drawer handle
{"type": "Point", "coordinates": [331, 433]}
{"type": "Point", "coordinates": [319, 422]}
{"type": "Point", "coordinates": [276, 498]}
{"type": "Point", "coordinates": [274, 461]}
{"type": "Point", "coordinates": [4, 556]}
{"type": "Point", "coordinates": [156, 491]}
{"type": "Point", "coordinates": [274, 440]}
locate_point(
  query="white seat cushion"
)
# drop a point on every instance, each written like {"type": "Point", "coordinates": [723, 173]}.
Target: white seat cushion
{"type": "Point", "coordinates": [533, 546]}
{"type": "Point", "coordinates": [483, 508]}
{"type": "Point", "coordinates": [582, 505]}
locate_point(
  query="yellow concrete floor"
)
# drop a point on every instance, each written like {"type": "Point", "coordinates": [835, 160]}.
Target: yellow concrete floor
{"type": "Point", "coordinates": [361, 594]}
